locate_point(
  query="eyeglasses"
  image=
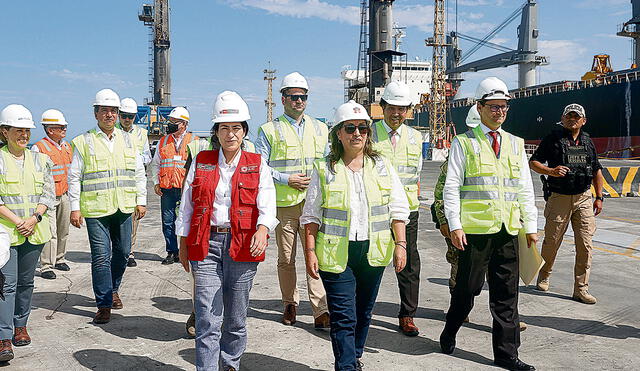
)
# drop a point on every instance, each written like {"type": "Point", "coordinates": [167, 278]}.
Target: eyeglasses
{"type": "Point", "coordinates": [127, 116]}
{"type": "Point", "coordinates": [58, 127]}
{"type": "Point", "coordinates": [351, 128]}
{"type": "Point", "coordinates": [295, 97]}
{"type": "Point", "coordinates": [496, 107]}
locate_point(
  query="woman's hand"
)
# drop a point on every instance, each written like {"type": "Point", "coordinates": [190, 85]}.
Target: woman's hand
{"type": "Point", "coordinates": [259, 241]}
{"type": "Point", "coordinates": [311, 261]}
{"type": "Point", "coordinates": [399, 258]}
{"type": "Point", "coordinates": [27, 227]}
{"type": "Point", "coordinates": [183, 254]}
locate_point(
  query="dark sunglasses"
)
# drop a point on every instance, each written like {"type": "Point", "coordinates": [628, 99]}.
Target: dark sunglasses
{"type": "Point", "coordinates": [351, 128]}
{"type": "Point", "coordinates": [127, 115]}
{"type": "Point", "coordinates": [295, 97]}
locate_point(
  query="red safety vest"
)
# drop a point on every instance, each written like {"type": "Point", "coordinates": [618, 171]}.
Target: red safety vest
{"type": "Point", "coordinates": [172, 160]}
{"type": "Point", "coordinates": [243, 214]}
{"type": "Point", "coordinates": [61, 162]}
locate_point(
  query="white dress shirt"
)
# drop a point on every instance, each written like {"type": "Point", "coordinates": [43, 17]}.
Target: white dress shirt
{"type": "Point", "coordinates": [359, 205]}
{"type": "Point", "coordinates": [77, 169]}
{"type": "Point", "coordinates": [455, 179]}
{"type": "Point", "coordinates": [266, 201]}
{"type": "Point", "coordinates": [155, 162]}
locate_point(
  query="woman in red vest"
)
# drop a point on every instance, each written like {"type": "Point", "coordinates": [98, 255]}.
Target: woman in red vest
{"type": "Point", "coordinates": [228, 207]}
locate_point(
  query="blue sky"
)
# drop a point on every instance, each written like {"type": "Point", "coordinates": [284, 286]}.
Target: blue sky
{"type": "Point", "coordinates": [58, 54]}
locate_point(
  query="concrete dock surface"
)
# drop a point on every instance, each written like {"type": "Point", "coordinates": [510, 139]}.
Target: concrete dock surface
{"type": "Point", "coordinates": [149, 332]}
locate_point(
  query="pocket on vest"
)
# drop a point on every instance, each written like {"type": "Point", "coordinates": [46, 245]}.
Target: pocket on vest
{"type": "Point", "coordinates": [248, 189]}
{"type": "Point", "coordinates": [477, 214]}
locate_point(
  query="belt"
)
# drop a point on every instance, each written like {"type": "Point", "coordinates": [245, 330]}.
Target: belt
{"type": "Point", "coordinates": [216, 229]}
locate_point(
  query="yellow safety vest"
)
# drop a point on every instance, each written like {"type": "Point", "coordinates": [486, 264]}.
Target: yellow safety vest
{"type": "Point", "coordinates": [291, 155]}
{"type": "Point", "coordinates": [489, 194]}
{"type": "Point", "coordinates": [21, 189]}
{"type": "Point", "coordinates": [332, 241]}
{"type": "Point", "coordinates": [108, 181]}
{"type": "Point", "coordinates": [205, 144]}
{"type": "Point", "coordinates": [140, 136]}
{"type": "Point", "coordinates": [405, 158]}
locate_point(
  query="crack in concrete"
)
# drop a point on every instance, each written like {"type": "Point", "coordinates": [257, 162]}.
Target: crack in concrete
{"type": "Point", "coordinates": [66, 295]}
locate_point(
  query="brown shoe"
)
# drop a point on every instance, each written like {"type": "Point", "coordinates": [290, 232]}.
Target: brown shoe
{"type": "Point", "coordinates": [21, 337]}
{"type": "Point", "coordinates": [523, 326]}
{"type": "Point", "coordinates": [117, 303]}
{"type": "Point", "coordinates": [6, 351]}
{"type": "Point", "coordinates": [584, 297]}
{"type": "Point", "coordinates": [102, 316]}
{"type": "Point", "coordinates": [191, 325]}
{"type": "Point", "coordinates": [408, 327]}
{"type": "Point", "coordinates": [289, 315]}
{"type": "Point", "coordinates": [322, 321]}
{"type": "Point", "coordinates": [543, 284]}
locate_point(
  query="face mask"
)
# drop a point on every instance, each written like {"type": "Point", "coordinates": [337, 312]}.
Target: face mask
{"type": "Point", "coordinates": [171, 128]}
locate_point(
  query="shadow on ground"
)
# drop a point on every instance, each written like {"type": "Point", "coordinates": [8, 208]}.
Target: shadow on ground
{"type": "Point", "coordinates": [101, 359]}
{"type": "Point", "coordinates": [85, 256]}
{"type": "Point", "coordinates": [255, 362]}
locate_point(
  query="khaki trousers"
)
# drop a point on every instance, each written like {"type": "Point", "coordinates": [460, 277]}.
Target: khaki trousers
{"type": "Point", "coordinates": [559, 211]}
{"type": "Point", "coordinates": [287, 233]}
{"type": "Point", "coordinates": [54, 250]}
{"type": "Point", "coordinates": [134, 229]}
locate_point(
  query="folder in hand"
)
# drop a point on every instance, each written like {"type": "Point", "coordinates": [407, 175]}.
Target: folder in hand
{"type": "Point", "coordinates": [530, 259]}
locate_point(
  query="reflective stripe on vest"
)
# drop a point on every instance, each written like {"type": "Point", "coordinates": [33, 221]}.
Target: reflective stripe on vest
{"type": "Point", "coordinates": [61, 158]}
{"type": "Point", "coordinates": [332, 241]}
{"type": "Point", "coordinates": [172, 160]}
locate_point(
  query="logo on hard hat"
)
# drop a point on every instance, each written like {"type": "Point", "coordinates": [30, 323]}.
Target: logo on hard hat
{"type": "Point", "coordinates": [229, 111]}
{"type": "Point", "coordinates": [356, 110]}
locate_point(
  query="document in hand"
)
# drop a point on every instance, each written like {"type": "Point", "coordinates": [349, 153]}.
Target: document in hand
{"type": "Point", "coordinates": [530, 259]}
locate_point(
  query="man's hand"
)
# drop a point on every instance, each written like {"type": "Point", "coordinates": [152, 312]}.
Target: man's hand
{"type": "Point", "coordinates": [532, 239]}
{"type": "Point", "coordinates": [183, 254]}
{"type": "Point", "coordinates": [311, 262]}
{"type": "Point", "coordinates": [299, 181]}
{"type": "Point", "coordinates": [141, 211]}
{"type": "Point", "coordinates": [459, 239]}
{"type": "Point", "coordinates": [259, 241]}
{"type": "Point", "coordinates": [76, 219]}
{"type": "Point", "coordinates": [157, 189]}
{"type": "Point", "coordinates": [27, 227]}
{"type": "Point", "coordinates": [444, 230]}
{"type": "Point", "coordinates": [399, 258]}
{"type": "Point", "coordinates": [559, 171]}
{"type": "Point", "coordinates": [597, 207]}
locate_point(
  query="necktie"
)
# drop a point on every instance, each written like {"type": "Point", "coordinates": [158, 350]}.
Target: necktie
{"type": "Point", "coordinates": [496, 144]}
{"type": "Point", "coordinates": [392, 135]}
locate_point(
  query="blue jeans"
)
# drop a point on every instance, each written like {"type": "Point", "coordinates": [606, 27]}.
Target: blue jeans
{"type": "Point", "coordinates": [110, 241]}
{"type": "Point", "coordinates": [351, 296]}
{"type": "Point", "coordinates": [168, 202]}
{"type": "Point", "coordinates": [221, 300]}
{"type": "Point", "coordinates": [18, 287]}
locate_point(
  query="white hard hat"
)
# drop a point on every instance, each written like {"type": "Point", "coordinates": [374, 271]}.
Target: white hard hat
{"type": "Point", "coordinates": [351, 111]}
{"type": "Point", "coordinates": [230, 107]}
{"type": "Point", "coordinates": [294, 80]}
{"type": "Point", "coordinates": [492, 88]}
{"type": "Point", "coordinates": [107, 98]}
{"type": "Point", "coordinates": [128, 105]}
{"type": "Point", "coordinates": [53, 117]}
{"type": "Point", "coordinates": [473, 117]}
{"type": "Point", "coordinates": [180, 113]}
{"type": "Point", "coordinates": [397, 93]}
{"type": "Point", "coordinates": [18, 116]}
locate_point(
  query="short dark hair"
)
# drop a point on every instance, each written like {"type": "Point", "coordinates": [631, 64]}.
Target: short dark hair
{"type": "Point", "coordinates": [215, 142]}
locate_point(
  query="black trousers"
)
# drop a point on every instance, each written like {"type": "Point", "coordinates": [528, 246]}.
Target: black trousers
{"type": "Point", "coordinates": [409, 277]}
{"type": "Point", "coordinates": [497, 253]}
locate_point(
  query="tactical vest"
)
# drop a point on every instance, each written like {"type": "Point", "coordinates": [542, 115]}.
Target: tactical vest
{"type": "Point", "coordinates": [61, 162]}
{"type": "Point", "coordinates": [332, 241]}
{"type": "Point", "coordinates": [578, 160]}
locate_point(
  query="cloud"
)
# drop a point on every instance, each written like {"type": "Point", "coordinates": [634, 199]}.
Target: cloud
{"type": "Point", "coordinates": [479, 2]}
{"type": "Point", "coordinates": [304, 9]}
{"type": "Point", "coordinates": [92, 77]}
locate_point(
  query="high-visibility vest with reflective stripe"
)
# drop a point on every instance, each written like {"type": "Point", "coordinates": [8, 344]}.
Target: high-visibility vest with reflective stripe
{"type": "Point", "coordinates": [405, 158]}
{"type": "Point", "coordinates": [332, 241]}
{"type": "Point", "coordinates": [489, 194]}
{"type": "Point", "coordinates": [139, 134]}
{"type": "Point", "coordinates": [291, 155]}
{"type": "Point", "coordinates": [203, 144]}
{"type": "Point", "coordinates": [172, 160]}
{"type": "Point", "coordinates": [21, 189]}
{"type": "Point", "coordinates": [108, 181]}
{"type": "Point", "coordinates": [61, 162]}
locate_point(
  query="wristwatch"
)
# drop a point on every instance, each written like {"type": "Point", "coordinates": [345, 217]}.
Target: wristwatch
{"type": "Point", "coordinates": [38, 216]}
{"type": "Point", "coordinates": [600, 198]}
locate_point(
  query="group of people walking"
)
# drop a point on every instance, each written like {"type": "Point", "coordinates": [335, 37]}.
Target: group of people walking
{"type": "Point", "coordinates": [348, 194]}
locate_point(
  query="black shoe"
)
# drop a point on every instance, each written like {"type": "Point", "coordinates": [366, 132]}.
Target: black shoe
{"type": "Point", "coordinates": [62, 267]}
{"type": "Point", "coordinates": [170, 259]}
{"type": "Point", "coordinates": [48, 275]}
{"type": "Point", "coordinates": [359, 365]}
{"type": "Point", "coordinates": [131, 262]}
{"type": "Point", "coordinates": [513, 364]}
{"type": "Point", "coordinates": [176, 257]}
{"type": "Point", "coordinates": [447, 343]}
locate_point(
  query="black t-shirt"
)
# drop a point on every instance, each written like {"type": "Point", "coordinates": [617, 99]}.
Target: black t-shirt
{"type": "Point", "coordinates": [551, 152]}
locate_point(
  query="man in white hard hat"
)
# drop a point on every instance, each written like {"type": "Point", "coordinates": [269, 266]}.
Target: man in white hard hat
{"type": "Point", "coordinates": [128, 112]}
{"type": "Point", "coordinates": [168, 173]}
{"type": "Point", "coordinates": [54, 146]}
{"type": "Point", "coordinates": [107, 183]}
{"type": "Point", "coordinates": [291, 143]}
{"type": "Point", "coordinates": [488, 199]}
{"type": "Point", "coordinates": [402, 145]}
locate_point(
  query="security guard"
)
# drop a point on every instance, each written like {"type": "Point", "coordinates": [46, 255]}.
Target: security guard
{"type": "Point", "coordinates": [291, 143]}
{"type": "Point", "coordinates": [59, 151]}
{"type": "Point", "coordinates": [402, 145]}
{"type": "Point", "coordinates": [168, 172]}
{"type": "Point", "coordinates": [488, 198]}
{"type": "Point", "coordinates": [107, 183]}
{"type": "Point", "coordinates": [572, 166]}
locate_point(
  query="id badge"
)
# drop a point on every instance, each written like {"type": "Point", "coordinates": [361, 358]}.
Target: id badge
{"type": "Point", "coordinates": [177, 158]}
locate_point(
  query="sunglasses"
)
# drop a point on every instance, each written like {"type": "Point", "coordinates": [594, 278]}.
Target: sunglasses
{"type": "Point", "coordinates": [496, 107]}
{"type": "Point", "coordinates": [351, 128]}
{"type": "Point", "coordinates": [295, 97]}
{"type": "Point", "coordinates": [127, 116]}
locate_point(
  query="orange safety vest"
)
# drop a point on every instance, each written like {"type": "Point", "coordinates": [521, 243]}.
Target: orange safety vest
{"type": "Point", "coordinates": [172, 160]}
{"type": "Point", "coordinates": [61, 159]}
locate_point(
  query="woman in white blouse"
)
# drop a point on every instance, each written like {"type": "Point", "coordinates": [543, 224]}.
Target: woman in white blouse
{"type": "Point", "coordinates": [228, 207]}
{"type": "Point", "coordinates": [354, 202]}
